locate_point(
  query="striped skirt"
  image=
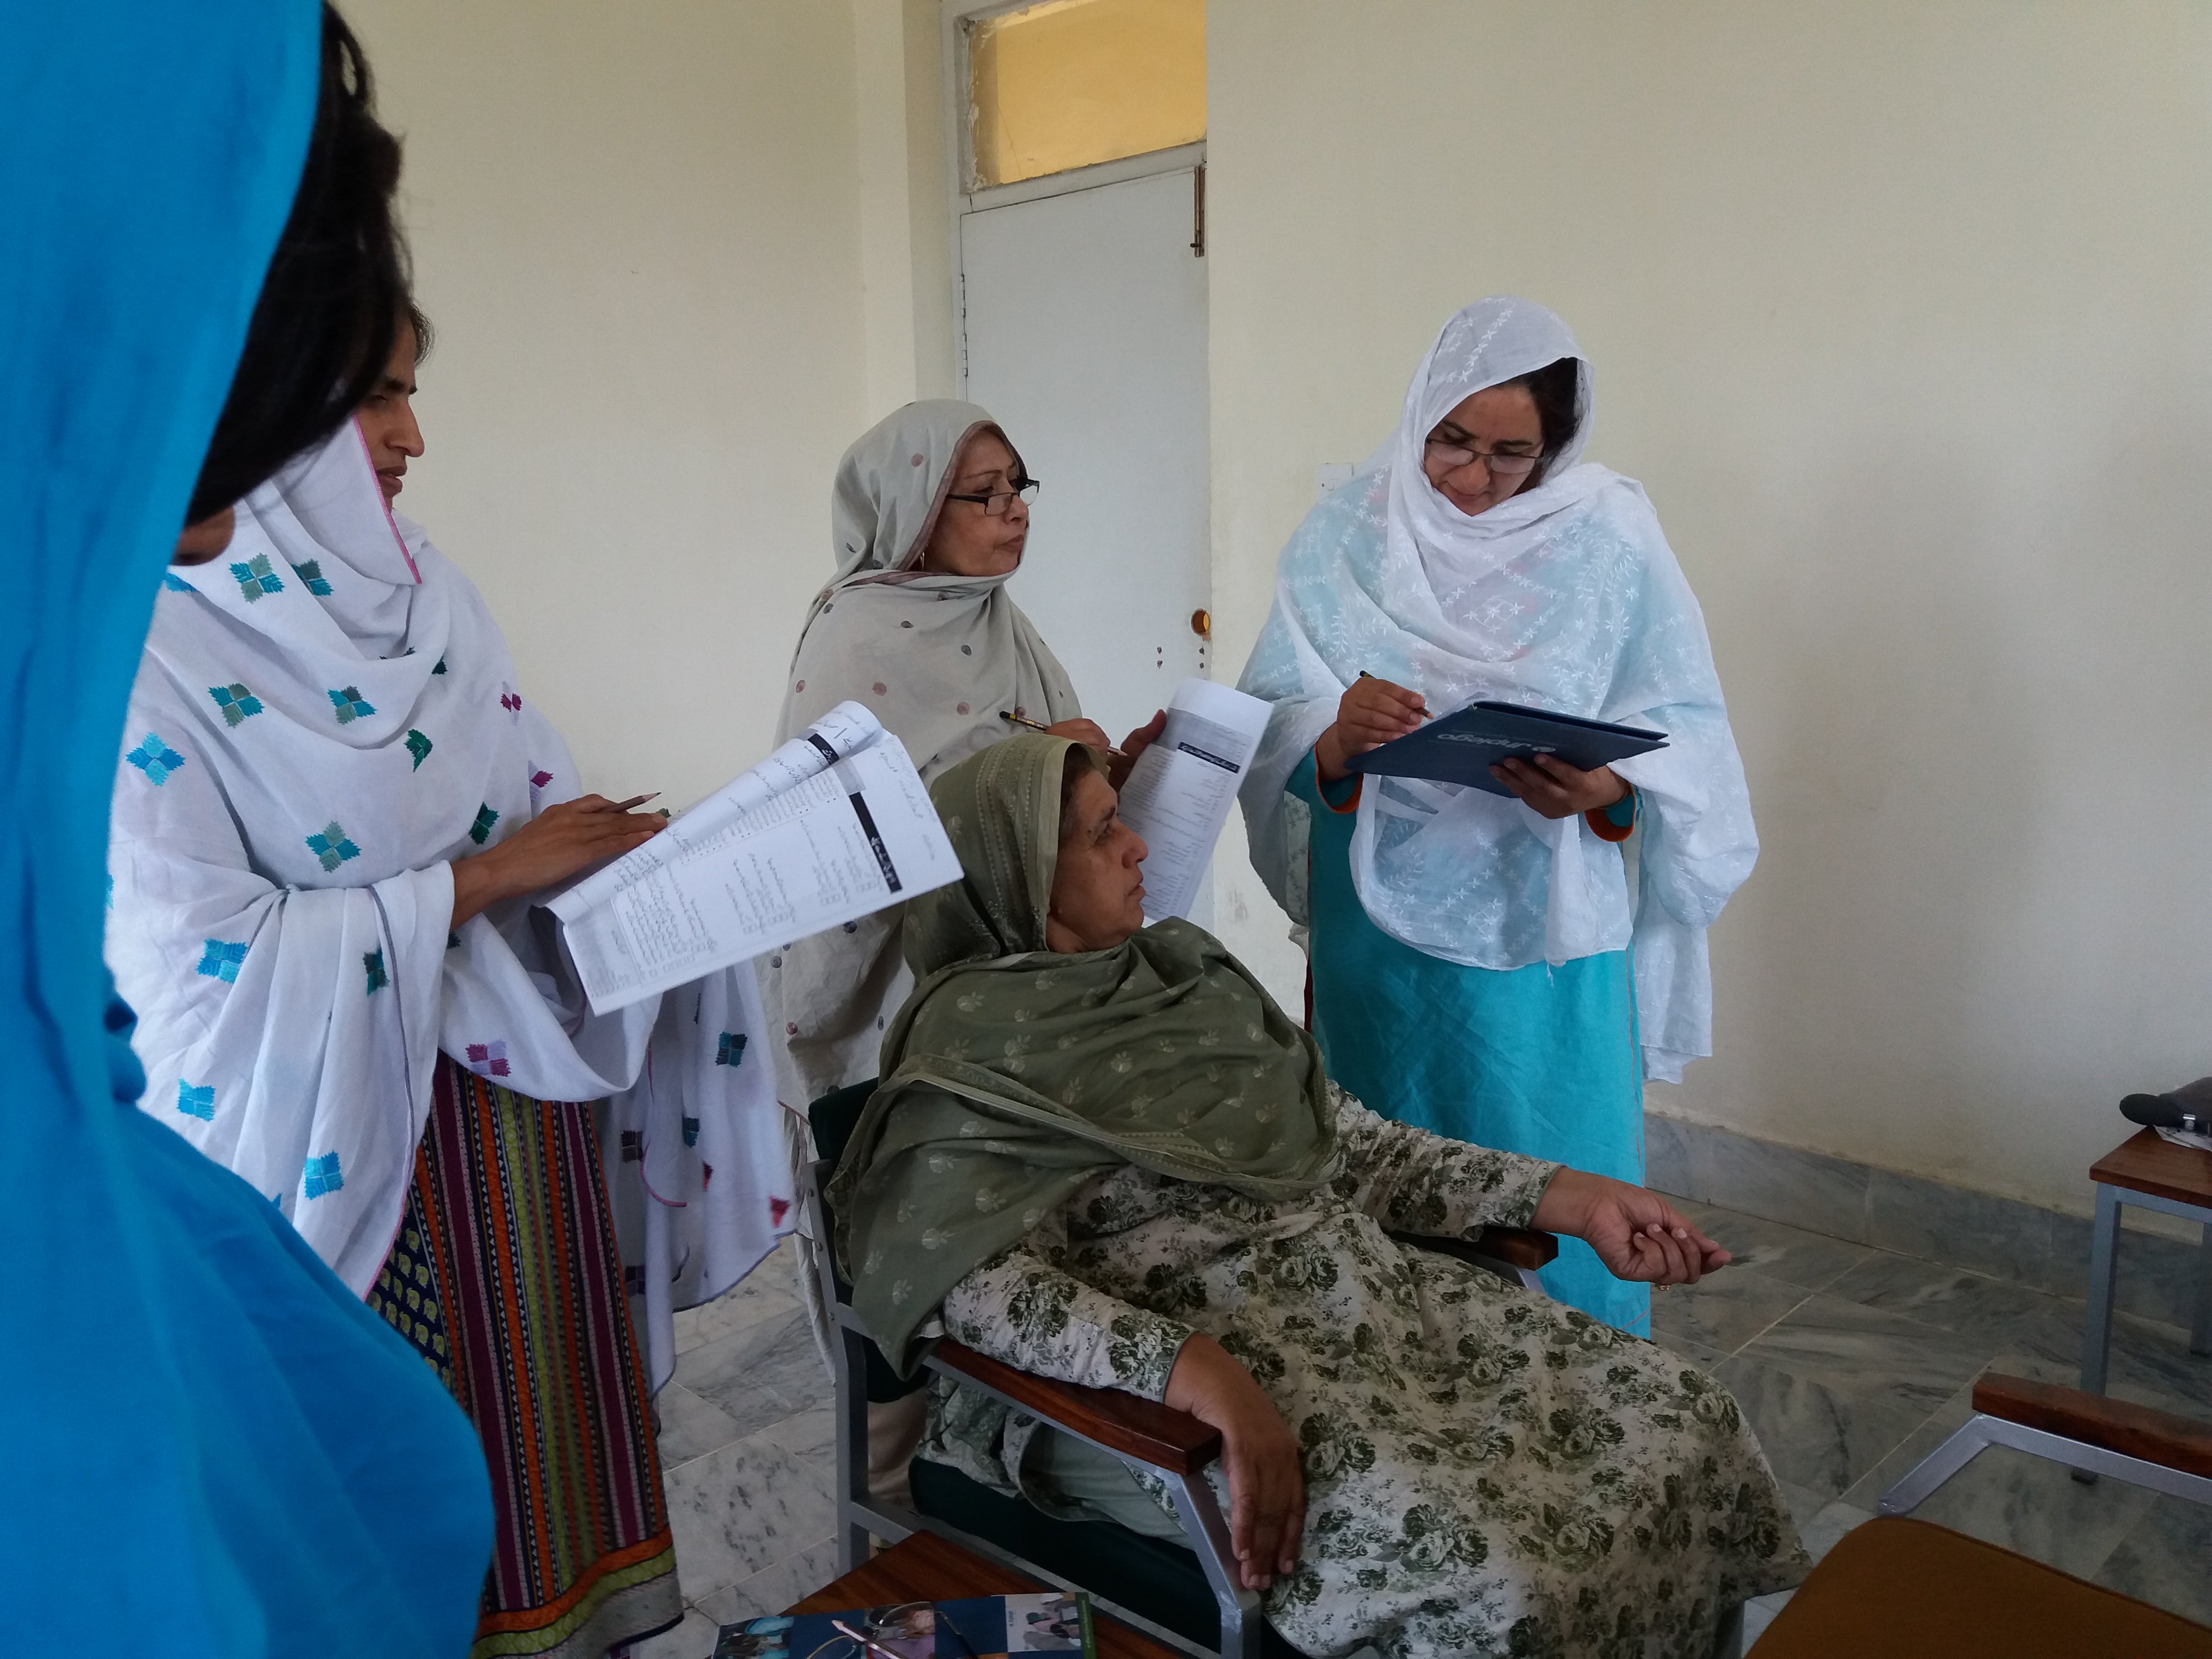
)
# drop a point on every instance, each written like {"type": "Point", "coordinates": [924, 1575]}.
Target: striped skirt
{"type": "Point", "coordinates": [506, 1278]}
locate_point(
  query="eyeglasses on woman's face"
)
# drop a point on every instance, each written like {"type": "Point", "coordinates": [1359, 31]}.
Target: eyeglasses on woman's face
{"type": "Point", "coordinates": [1451, 449]}
{"type": "Point", "coordinates": [996, 503]}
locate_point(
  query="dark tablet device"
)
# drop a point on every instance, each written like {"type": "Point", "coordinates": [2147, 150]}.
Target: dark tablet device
{"type": "Point", "coordinates": [1461, 748]}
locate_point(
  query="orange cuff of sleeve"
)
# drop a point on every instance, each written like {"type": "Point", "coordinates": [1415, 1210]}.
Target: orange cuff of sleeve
{"type": "Point", "coordinates": [1351, 801]}
{"type": "Point", "coordinates": [1603, 826]}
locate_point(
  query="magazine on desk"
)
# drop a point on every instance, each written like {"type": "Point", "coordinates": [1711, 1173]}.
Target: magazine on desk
{"type": "Point", "coordinates": [833, 826]}
{"type": "Point", "coordinates": [982, 1627]}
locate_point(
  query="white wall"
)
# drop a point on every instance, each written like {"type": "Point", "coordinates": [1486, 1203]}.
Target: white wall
{"type": "Point", "coordinates": [1903, 313]}
{"type": "Point", "coordinates": [1900, 310]}
{"type": "Point", "coordinates": [637, 229]}
{"type": "Point", "coordinates": [906, 236]}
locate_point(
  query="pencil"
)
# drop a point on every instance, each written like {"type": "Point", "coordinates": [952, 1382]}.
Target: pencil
{"type": "Point", "coordinates": [1008, 715]}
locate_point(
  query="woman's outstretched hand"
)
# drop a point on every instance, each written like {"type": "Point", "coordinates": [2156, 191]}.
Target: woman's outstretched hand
{"type": "Point", "coordinates": [1370, 713]}
{"type": "Point", "coordinates": [1558, 790]}
{"type": "Point", "coordinates": [1267, 1487]}
{"type": "Point", "coordinates": [559, 842]}
{"type": "Point", "coordinates": [1638, 1235]}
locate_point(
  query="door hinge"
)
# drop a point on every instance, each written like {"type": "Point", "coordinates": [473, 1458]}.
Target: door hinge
{"type": "Point", "coordinates": [1198, 211]}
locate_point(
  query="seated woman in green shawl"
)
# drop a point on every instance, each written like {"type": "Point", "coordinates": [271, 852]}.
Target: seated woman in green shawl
{"type": "Point", "coordinates": [1101, 1153]}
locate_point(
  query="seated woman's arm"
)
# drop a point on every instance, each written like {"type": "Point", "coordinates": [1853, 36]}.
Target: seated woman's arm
{"type": "Point", "coordinates": [1020, 1309]}
{"type": "Point", "coordinates": [1413, 1182]}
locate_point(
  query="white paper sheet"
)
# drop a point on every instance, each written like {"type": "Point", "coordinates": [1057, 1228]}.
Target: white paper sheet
{"type": "Point", "coordinates": [1179, 793]}
{"type": "Point", "coordinates": [798, 848]}
{"type": "Point", "coordinates": [845, 730]}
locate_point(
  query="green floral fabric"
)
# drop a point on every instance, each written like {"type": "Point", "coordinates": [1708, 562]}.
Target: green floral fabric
{"type": "Point", "coordinates": [1488, 1472]}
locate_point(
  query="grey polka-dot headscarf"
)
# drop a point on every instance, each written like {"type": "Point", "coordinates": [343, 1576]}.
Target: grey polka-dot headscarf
{"type": "Point", "coordinates": [933, 657]}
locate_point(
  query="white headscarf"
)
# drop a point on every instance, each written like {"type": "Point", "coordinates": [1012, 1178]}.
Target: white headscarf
{"type": "Point", "coordinates": [324, 718]}
{"type": "Point", "coordinates": [1566, 596]}
{"type": "Point", "coordinates": [935, 657]}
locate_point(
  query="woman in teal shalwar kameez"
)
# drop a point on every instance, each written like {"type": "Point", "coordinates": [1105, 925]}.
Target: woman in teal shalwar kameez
{"type": "Point", "coordinates": [1481, 966]}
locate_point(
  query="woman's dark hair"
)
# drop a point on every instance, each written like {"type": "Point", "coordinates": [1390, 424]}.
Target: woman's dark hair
{"type": "Point", "coordinates": [1555, 389]}
{"type": "Point", "coordinates": [424, 334]}
{"type": "Point", "coordinates": [334, 296]}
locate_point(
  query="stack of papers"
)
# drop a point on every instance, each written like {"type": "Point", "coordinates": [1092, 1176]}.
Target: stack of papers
{"type": "Point", "coordinates": [833, 826]}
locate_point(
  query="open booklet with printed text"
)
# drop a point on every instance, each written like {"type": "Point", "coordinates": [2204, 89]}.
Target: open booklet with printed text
{"type": "Point", "coordinates": [833, 826]}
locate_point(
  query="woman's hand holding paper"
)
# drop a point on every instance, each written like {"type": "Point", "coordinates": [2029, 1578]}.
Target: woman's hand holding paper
{"type": "Point", "coordinates": [561, 841]}
{"type": "Point", "coordinates": [1370, 714]}
{"type": "Point", "coordinates": [1119, 761]}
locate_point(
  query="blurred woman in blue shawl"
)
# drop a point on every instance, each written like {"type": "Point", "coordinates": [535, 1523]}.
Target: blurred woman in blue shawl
{"type": "Point", "coordinates": [209, 1445]}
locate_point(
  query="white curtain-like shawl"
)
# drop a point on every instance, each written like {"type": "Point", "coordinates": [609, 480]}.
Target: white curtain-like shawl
{"type": "Point", "coordinates": [324, 718]}
{"type": "Point", "coordinates": [935, 657]}
{"type": "Point", "coordinates": [1566, 596]}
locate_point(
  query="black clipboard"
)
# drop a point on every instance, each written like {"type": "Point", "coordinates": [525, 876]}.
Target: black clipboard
{"type": "Point", "coordinates": [1461, 748]}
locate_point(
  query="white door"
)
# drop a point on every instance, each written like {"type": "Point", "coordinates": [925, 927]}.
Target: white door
{"type": "Point", "coordinates": [1084, 317]}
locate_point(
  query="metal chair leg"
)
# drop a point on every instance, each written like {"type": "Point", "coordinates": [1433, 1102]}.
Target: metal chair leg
{"type": "Point", "coordinates": [2104, 1261]}
{"type": "Point", "coordinates": [2200, 1332]}
{"type": "Point", "coordinates": [1983, 1430]}
{"type": "Point", "coordinates": [852, 1495]}
{"type": "Point", "coordinates": [1206, 1528]}
{"type": "Point", "coordinates": [1960, 1448]}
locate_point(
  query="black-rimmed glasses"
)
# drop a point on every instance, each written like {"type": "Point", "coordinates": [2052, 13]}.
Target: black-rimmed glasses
{"type": "Point", "coordinates": [1456, 452]}
{"type": "Point", "coordinates": [994, 504]}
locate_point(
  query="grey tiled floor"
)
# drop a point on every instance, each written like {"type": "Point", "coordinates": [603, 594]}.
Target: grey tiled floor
{"type": "Point", "coordinates": [748, 1456]}
{"type": "Point", "coordinates": [1851, 1364]}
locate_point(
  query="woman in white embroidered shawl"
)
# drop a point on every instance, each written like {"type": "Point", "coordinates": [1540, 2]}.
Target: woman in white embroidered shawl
{"type": "Point", "coordinates": [929, 516]}
{"type": "Point", "coordinates": [1475, 958]}
{"type": "Point", "coordinates": [332, 808]}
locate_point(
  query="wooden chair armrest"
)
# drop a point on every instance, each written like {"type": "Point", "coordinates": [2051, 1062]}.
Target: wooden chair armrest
{"type": "Point", "coordinates": [2156, 1437]}
{"type": "Point", "coordinates": [1516, 1246]}
{"type": "Point", "coordinates": [1141, 1428]}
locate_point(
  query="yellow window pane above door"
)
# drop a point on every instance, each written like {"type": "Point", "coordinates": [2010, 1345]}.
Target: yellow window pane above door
{"type": "Point", "coordinates": [1068, 83]}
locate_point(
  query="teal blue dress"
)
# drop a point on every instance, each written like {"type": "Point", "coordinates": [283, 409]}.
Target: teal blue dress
{"type": "Point", "coordinates": [1540, 1061]}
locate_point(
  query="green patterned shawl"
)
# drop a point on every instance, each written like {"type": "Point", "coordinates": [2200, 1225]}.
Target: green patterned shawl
{"type": "Point", "coordinates": [1012, 1075]}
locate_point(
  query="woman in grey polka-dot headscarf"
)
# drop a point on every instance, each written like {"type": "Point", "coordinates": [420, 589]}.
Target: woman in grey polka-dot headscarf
{"type": "Point", "coordinates": [916, 626]}
{"type": "Point", "coordinates": [928, 517]}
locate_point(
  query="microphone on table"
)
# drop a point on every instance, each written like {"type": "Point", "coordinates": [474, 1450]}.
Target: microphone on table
{"type": "Point", "coordinates": [2188, 1108]}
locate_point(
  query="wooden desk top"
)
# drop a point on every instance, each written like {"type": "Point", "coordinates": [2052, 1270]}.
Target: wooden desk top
{"type": "Point", "coordinates": [2148, 1164]}
{"type": "Point", "coordinates": [926, 1568]}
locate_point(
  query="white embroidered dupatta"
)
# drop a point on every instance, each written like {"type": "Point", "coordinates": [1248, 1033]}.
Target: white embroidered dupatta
{"type": "Point", "coordinates": [324, 718]}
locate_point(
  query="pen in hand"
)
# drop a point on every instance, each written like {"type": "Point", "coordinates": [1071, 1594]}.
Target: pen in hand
{"type": "Point", "coordinates": [1013, 719]}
